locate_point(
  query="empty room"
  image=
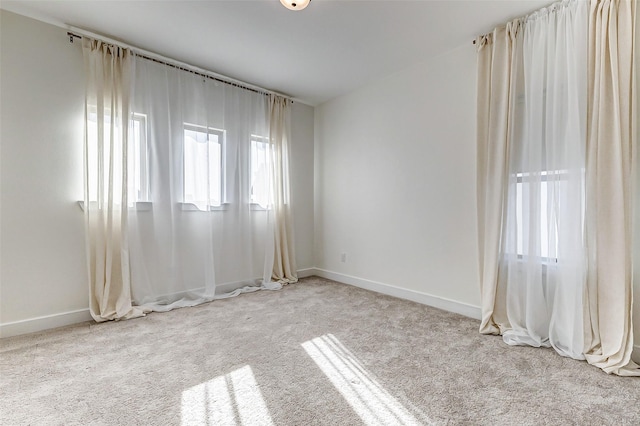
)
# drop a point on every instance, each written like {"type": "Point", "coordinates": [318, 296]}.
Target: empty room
{"type": "Point", "coordinates": [319, 212]}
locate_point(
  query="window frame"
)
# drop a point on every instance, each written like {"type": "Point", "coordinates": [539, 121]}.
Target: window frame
{"type": "Point", "coordinates": [265, 141]}
{"type": "Point", "coordinates": [144, 193]}
{"type": "Point", "coordinates": [545, 176]}
{"type": "Point", "coordinates": [221, 140]}
{"type": "Point", "coordinates": [142, 199]}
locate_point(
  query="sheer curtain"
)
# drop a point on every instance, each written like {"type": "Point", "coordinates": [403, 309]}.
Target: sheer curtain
{"type": "Point", "coordinates": [108, 71]}
{"type": "Point", "coordinates": [537, 191]}
{"type": "Point", "coordinates": [543, 262]}
{"type": "Point", "coordinates": [187, 186]}
{"type": "Point", "coordinates": [194, 233]}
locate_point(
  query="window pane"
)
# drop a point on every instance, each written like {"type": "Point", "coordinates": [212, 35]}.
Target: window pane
{"type": "Point", "coordinates": [260, 151]}
{"type": "Point", "coordinates": [92, 156]}
{"type": "Point", "coordinates": [215, 172]}
{"type": "Point", "coordinates": [544, 225]}
{"type": "Point", "coordinates": [536, 224]}
{"type": "Point", "coordinates": [202, 167]}
{"type": "Point", "coordinates": [137, 160]}
{"type": "Point", "coordinates": [138, 175]}
{"type": "Point", "coordinates": [99, 161]}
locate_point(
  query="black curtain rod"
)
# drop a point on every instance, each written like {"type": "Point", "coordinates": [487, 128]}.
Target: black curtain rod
{"type": "Point", "coordinates": [251, 89]}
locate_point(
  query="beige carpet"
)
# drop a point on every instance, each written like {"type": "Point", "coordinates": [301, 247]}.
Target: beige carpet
{"type": "Point", "coordinates": [315, 353]}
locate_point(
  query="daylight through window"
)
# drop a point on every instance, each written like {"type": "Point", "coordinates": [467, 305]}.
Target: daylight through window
{"type": "Point", "coordinates": [137, 173]}
{"type": "Point", "coordinates": [203, 166]}
{"type": "Point", "coordinates": [536, 200]}
{"type": "Point", "coordinates": [260, 181]}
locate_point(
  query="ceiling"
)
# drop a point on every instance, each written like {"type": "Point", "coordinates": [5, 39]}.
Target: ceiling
{"type": "Point", "coordinates": [313, 55]}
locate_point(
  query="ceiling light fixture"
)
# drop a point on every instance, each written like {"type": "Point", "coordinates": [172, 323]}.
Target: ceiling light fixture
{"type": "Point", "coordinates": [295, 4]}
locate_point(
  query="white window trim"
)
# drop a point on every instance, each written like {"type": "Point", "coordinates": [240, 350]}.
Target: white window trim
{"type": "Point", "coordinates": [141, 203]}
{"type": "Point", "coordinates": [141, 206]}
{"type": "Point", "coordinates": [224, 203]}
{"type": "Point", "coordinates": [145, 184]}
{"type": "Point", "coordinates": [544, 176]}
{"type": "Point", "coordinates": [258, 207]}
{"type": "Point", "coordinates": [191, 207]}
{"type": "Point", "coordinates": [260, 139]}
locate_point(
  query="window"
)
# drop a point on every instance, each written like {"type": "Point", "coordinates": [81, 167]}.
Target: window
{"type": "Point", "coordinates": [140, 157]}
{"type": "Point", "coordinates": [203, 166]}
{"type": "Point", "coordinates": [260, 181]}
{"type": "Point", "coordinates": [534, 193]}
{"type": "Point", "coordinates": [138, 173]}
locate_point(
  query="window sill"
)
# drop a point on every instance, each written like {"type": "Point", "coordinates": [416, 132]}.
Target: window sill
{"type": "Point", "coordinates": [191, 207]}
{"type": "Point", "coordinates": [538, 259]}
{"type": "Point", "coordinates": [141, 206]}
{"type": "Point", "coordinates": [258, 207]}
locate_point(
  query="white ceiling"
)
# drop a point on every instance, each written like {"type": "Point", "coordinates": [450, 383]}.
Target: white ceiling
{"type": "Point", "coordinates": [326, 50]}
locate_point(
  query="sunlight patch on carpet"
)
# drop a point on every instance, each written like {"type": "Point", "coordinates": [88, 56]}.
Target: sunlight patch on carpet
{"type": "Point", "coordinates": [232, 399]}
{"type": "Point", "coordinates": [358, 387]}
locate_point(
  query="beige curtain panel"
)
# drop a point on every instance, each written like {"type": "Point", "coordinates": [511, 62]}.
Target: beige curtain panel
{"type": "Point", "coordinates": [601, 323]}
{"type": "Point", "coordinates": [284, 264]}
{"type": "Point", "coordinates": [611, 135]}
{"type": "Point", "coordinates": [495, 97]}
{"type": "Point", "coordinates": [108, 80]}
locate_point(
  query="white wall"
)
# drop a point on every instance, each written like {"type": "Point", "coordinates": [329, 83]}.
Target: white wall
{"type": "Point", "coordinates": [302, 183]}
{"type": "Point", "coordinates": [395, 186]}
{"type": "Point", "coordinates": [395, 182]}
{"type": "Point", "coordinates": [636, 257]}
{"type": "Point", "coordinates": [42, 258]}
{"type": "Point", "coordinates": [42, 242]}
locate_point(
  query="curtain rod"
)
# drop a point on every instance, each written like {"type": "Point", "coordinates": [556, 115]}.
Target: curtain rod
{"type": "Point", "coordinates": [154, 57]}
{"type": "Point", "coordinates": [552, 7]}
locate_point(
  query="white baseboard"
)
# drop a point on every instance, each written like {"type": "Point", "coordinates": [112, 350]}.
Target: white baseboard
{"type": "Point", "coordinates": [33, 325]}
{"type": "Point", "coordinates": [416, 296]}
{"type": "Point", "coordinates": [308, 272]}
{"type": "Point", "coordinates": [403, 293]}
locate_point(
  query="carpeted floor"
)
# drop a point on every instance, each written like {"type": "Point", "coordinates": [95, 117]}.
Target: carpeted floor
{"type": "Point", "coordinates": [315, 353]}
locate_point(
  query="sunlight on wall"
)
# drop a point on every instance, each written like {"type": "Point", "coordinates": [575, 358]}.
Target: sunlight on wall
{"type": "Point", "coordinates": [232, 399]}
{"type": "Point", "coordinates": [367, 397]}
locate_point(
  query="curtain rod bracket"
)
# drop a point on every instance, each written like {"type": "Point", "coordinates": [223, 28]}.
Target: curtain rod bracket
{"type": "Point", "coordinates": [72, 36]}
